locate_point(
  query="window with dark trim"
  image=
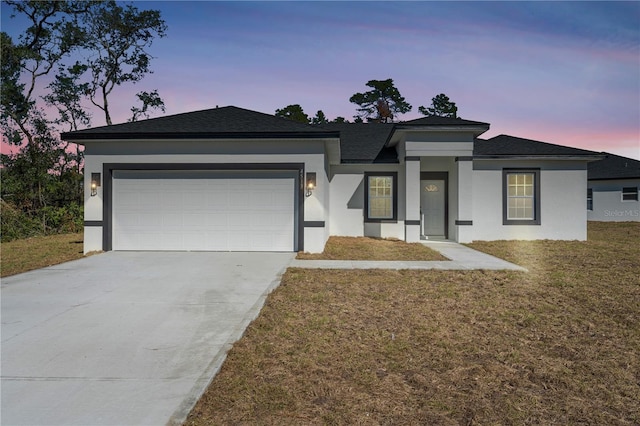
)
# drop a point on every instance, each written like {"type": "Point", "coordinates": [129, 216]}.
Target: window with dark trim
{"type": "Point", "coordinates": [589, 198]}
{"type": "Point", "coordinates": [629, 193]}
{"type": "Point", "coordinates": [521, 197]}
{"type": "Point", "coordinates": [381, 196]}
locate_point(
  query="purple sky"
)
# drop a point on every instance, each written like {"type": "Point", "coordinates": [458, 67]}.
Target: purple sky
{"type": "Point", "coordinates": [561, 72]}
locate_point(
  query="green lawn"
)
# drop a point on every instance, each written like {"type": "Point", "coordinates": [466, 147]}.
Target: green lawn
{"type": "Point", "coordinates": [557, 345]}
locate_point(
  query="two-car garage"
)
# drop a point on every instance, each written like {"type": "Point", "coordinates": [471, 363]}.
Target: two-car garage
{"type": "Point", "coordinates": [207, 210]}
{"type": "Point", "coordinates": [219, 179]}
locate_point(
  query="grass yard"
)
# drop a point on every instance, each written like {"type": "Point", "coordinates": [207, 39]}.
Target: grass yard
{"type": "Point", "coordinates": [363, 248]}
{"type": "Point", "coordinates": [557, 345]}
{"type": "Point", "coordinates": [37, 252]}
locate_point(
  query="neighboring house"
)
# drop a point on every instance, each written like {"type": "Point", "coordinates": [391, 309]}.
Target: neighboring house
{"type": "Point", "coordinates": [612, 189]}
{"type": "Point", "coordinates": [233, 179]}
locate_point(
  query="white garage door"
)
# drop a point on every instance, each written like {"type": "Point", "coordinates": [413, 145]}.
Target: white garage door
{"type": "Point", "coordinates": [203, 210]}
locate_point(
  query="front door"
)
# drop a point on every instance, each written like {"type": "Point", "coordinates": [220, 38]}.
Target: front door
{"type": "Point", "coordinates": [433, 207]}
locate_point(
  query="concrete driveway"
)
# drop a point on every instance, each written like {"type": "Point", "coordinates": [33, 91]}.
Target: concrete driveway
{"type": "Point", "coordinates": [125, 338]}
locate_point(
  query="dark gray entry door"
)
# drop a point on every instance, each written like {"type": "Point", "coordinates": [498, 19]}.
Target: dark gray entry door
{"type": "Point", "coordinates": [432, 205]}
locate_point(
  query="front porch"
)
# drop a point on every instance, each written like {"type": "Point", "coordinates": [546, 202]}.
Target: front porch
{"type": "Point", "coordinates": [438, 199]}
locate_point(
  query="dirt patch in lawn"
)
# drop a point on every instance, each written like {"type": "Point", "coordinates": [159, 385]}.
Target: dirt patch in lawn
{"type": "Point", "coordinates": [37, 252]}
{"type": "Point", "coordinates": [364, 248]}
{"type": "Point", "coordinates": [557, 345]}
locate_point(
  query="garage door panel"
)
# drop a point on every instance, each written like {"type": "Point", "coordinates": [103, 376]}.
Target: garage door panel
{"type": "Point", "coordinates": [169, 240]}
{"type": "Point", "coordinates": [217, 221]}
{"type": "Point", "coordinates": [277, 221]}
{"type": "Point", "coordinates": [203, 211]}
{"type": "Point", "coordinates": [194, 240]}
{"type": "Point", "coordinates": [271, 238]}
{"type": "Point", "coordinates": [170, 221]}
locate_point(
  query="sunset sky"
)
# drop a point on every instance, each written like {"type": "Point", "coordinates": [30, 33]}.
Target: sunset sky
{"type": "Point", "coordinates": [560, 72]}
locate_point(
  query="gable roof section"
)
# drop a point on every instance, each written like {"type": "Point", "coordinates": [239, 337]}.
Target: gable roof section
{"type": "Point", "coordinates": [224, 122]}
{"type": "Point", "coordinates": [442, 121]}
{"type": "Point", "coordinates": [438, 124]}
{"type": "Point", "coordinates": [510, 146]}
{"type": "Point", "coordinates": [363, 142]}
{"type": "Point", "coordinates": [613, 167]}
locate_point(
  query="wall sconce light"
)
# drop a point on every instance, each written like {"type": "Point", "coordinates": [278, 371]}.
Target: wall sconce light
{"type": "Point", "coordinates": [95, 183]}
{"type": "Point", "coordinates": [310, 184]}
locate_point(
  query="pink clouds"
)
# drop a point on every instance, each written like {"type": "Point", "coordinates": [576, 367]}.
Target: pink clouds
{"type": "Point", "coordinates": [565, 73]}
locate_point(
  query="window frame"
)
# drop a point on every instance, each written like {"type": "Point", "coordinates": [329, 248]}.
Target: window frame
{"type": "Point", "coordinates": [629, 190]}
{"type": "Point", "coordinates": [590, 199]}
{"type": "Point", "coordinates": [536, 197]}
{"type": "Point", "coordinates": [394, 197]}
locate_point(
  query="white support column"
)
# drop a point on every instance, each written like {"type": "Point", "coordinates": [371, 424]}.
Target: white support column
{"type": "Point", "coordinates": [464, 216]}
{"type": "Point", "coordinates": [412, 197]}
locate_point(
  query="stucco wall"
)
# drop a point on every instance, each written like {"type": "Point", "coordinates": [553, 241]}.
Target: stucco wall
{"type": "Point", "coordinates": [347, 202]}
{"type": "Point", "coordinates": [607, 201]}
{"type": "Point", "coordinates": [563, 186]}
{"type": "Point", "coordinates": [309, 152]}
{"type": "Point", "coordinates": [438, 144]}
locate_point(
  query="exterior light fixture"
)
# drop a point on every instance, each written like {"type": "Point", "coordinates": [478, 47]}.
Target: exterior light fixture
{"type": "Point", "coordinates": [95, 183]}
{"type": "Point", "coordinates": [310, 184]}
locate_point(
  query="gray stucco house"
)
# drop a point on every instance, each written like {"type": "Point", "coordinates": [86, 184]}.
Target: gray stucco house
{"type": "Point", "coordinates": [612, 189]}
{"type": "Point", "coordinates": [239, 180]}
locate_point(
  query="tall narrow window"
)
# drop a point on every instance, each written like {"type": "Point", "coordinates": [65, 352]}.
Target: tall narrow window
{"type": "Point", "coordinates": [521, 197]}
{"type": "Point", "coordinates": [630, 193]}
{"type": "Point", "coordinates": [589, 198]}
{"type": "Point", "coordinates": [381, 199]}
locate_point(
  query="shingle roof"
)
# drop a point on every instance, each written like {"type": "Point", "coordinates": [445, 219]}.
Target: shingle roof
{"type": "Point", "coordinates": [614, 167]}
{"type": "Point", "coordinates": [505, 145]}
{"type": "Point", "coordinates": [363, 142]}
{"type": "Point", "coordinates": [443, 121]}
{"type": "Point", "coordinates": [359, 142]}
{"type": "Point", "coordinates": [217, 122]}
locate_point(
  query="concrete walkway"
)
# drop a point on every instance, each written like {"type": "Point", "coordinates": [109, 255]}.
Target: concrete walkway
{"type": "Point", "coordinates": [461, 258]}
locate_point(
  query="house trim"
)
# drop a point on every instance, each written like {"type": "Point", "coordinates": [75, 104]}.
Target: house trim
{"type": "Point", "coordinates": [538, 157]}
{"type": "Point", "coordinates": [93, 223]}
{"type": "Point", "coordinates": [314, 224]}
{"type": "Point", "coordinates": [77, 137]}
{"type": "Point", "coordinates": [109, 168]}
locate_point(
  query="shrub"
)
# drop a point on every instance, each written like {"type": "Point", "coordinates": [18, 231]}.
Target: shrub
{"type": "Point", "coordinates": [62, 220]}
{"type": "Point", "coordinates": [16, 223]}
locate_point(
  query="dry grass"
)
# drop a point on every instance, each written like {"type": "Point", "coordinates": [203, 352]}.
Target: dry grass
{"type": "Point", "coordinates": [37, 252]}
{"type": "Point", "coordinates": [364, 248]}
{"type": "Point", "coordinates": [557, 345]}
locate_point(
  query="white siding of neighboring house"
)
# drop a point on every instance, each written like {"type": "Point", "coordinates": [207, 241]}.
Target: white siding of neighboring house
{"type": "Point", "coordinates": [309, 152]}
{"type": "Point", "coordinates": [607, 201]}
{"type": "Point", "coordinates": [563, 187]}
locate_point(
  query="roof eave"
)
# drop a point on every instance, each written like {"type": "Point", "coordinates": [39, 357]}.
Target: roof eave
{"type": "Point", "coordinates": [615, 178]}
{"type": "Point", "coordinates": [539, 157]}
{"type": "Point", "coordinates": [477, 129]}
{"type": "Point", "coordinates": [79, 137]}
{"type": "Point", "coordinates": [352, 161]}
